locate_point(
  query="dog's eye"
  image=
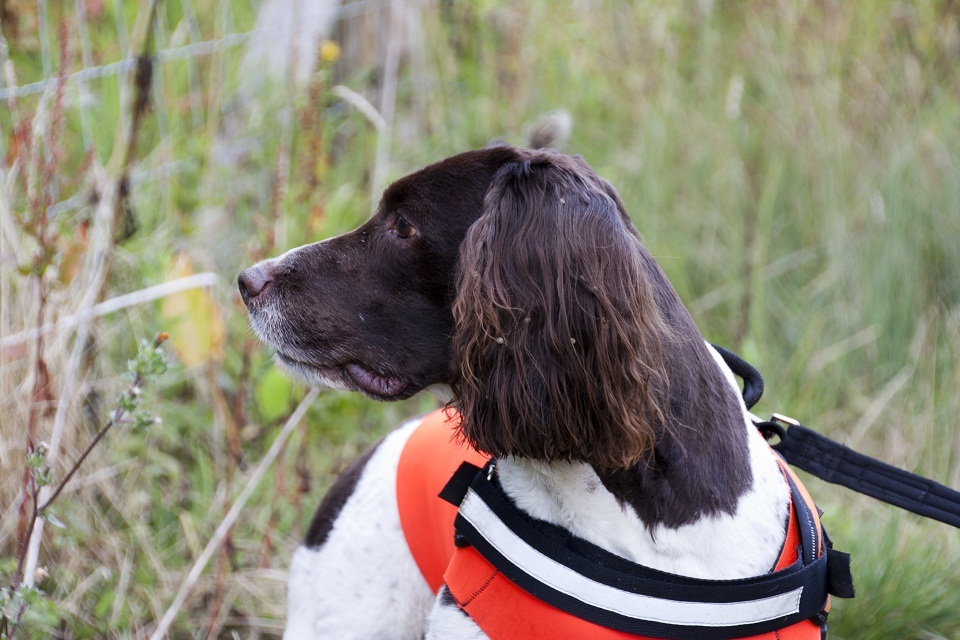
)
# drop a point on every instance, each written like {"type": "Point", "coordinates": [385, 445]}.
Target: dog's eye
{"type": "Point", "coordinates": [404, 229]}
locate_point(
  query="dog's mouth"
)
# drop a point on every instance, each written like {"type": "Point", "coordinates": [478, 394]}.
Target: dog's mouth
{"type": "Point", "coordinates": [374, 383]}
{"type": "Point", "coordinates": [350, 376]}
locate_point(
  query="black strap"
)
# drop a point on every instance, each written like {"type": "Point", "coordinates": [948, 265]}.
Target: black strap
{"type": "Point", "coordinates": [839, 575]}
{"type": "Point", "coordinates": [458, 484]}
{"type": "Point", "coordinates": [752, 380]}
{"type": "Point", "coordinates": [807, 576]}
{"type": "Point", "coordinates": [836, 463]}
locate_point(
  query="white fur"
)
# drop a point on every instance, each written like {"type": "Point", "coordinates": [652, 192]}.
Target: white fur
{"type": "Point", "coordinates": [362, 583]}
{"type": "Point", "coordinates": [441, 392]}
{"type": "Point", "coordinates": [447, 621]}
{"type": "Point", "coordinates": [310, 375]}
{"type": "Point", "coordinates": [723, 547]}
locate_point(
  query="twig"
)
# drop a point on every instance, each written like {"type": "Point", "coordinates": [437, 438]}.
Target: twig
{"type": "Point", "coordinates": [218, 536]}
{"type": "Point", "coordinates": [40, 383]}
{"type": "Point", "coordinates": [101, 244]}
{"type": "Point", "coordinates": [114, 419]}
{"type": "Point", "coordinates": [206, 279]}
{"type": "Point", "coordinates": [22, 549]}
{"type": "Point", "coordinates": [18, 576]}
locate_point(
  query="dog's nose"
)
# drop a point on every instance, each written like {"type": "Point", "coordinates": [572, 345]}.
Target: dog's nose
{"type": "Point", "coordinates": [254, 281]}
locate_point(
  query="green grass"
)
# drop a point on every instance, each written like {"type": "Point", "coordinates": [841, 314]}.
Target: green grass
{"type": "Point", "coordinates": [795, 167]}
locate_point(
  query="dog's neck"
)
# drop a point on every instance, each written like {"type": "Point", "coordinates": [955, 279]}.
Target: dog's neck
{"type": "Point", "coordinates": [700, 465]}
{"type": "Point", "coordinates": [712, 504]}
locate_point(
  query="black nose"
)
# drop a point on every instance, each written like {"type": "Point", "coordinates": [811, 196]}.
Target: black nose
{"type": "Point", "coordinates": [254, 281]}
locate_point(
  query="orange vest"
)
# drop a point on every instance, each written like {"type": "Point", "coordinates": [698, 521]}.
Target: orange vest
{"type": "Point", "coordinates": [502, 609]}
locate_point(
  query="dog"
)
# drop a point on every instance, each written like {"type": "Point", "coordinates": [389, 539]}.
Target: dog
{"type": "Point", "coordinates": [513, 283]}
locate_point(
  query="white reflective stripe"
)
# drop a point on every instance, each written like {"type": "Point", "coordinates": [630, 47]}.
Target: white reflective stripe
{"type": "Point", "coordinates": [565, 580]}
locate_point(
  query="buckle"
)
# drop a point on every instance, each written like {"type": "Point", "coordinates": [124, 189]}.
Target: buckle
{"type": "Point", "coordinates": [776, 426]}
{"type": "Point", "coordinates": [787, 420]}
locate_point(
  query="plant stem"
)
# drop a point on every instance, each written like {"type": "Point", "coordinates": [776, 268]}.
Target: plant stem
{"type": "Point", "coordinates": [36, 397]}
{"type": "Point", "coordinates": [83, 456]}
{"type": "Point", "coordinates": [22, 548]}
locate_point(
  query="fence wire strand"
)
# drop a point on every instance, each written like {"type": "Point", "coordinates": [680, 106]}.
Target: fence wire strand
{"type": "Point", "coordinates": [186, 52]}
{"type": "Point", "coordinates": [185, 43]}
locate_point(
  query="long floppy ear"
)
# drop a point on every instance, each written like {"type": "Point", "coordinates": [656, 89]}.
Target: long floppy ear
{"type": "Point", "coordinates": [558, 350]}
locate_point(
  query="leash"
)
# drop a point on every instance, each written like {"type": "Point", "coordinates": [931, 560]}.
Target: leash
{"type": "Point", "coordinates": [838, 464]}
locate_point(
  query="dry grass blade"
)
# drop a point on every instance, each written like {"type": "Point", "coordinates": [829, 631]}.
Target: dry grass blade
{"type": "Point", "coordinates": [115, 304]}
{"type": "Point", "coordinates": [224, 528]}
{"type": "Point", "coordinates": [362, 105]}
{"type": "Point", "coordinates": [388, 100]}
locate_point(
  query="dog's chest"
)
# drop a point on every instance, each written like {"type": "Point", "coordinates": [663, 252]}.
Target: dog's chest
{"type": "Point", "coordinates": [721, 547]}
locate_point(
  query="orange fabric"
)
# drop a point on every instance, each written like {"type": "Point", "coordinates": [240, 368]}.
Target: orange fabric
{"type": "Point", "coordinates": [428, 461]}
{"type": "Point", "coordinates": [506, 612]}
{"type": "Point", "coordinates": [788, 555]}
{"type": "Point", "coordinates": [502, 609]}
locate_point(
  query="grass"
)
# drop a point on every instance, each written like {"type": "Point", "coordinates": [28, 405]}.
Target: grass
{"type": "Point", "coordinates": [792, 164]}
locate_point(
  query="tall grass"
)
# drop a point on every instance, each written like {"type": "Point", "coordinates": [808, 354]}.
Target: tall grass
{"type": "Point", "coordinates": [794, 165]}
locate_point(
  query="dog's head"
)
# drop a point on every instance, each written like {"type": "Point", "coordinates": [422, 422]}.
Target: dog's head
{"type": "Point", "coordinates": [513, 276]}
{"type": "Point", "coordinates": [370, 310]}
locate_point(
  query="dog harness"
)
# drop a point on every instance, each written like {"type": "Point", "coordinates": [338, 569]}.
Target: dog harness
{"type": "Point", "coordinates": [518, 577]}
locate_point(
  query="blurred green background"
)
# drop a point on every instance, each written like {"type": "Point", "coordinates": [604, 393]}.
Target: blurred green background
{"type": "Point", "coordinates": [794, 165]}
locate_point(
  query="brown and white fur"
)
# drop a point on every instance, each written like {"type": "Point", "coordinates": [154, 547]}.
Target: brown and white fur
{"type": "Point", "coordinates": [515, 280]}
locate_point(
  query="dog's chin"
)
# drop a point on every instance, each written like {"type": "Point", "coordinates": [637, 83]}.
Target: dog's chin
{"type": "Point", "coordinates": [348, 377]}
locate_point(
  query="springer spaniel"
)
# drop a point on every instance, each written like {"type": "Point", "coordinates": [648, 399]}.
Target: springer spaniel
{"type": "Point", "coordinates": [514, 281]}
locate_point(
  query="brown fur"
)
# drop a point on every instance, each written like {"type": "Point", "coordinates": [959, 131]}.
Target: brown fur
{"type": "Point", "coordinates": [558, 340]}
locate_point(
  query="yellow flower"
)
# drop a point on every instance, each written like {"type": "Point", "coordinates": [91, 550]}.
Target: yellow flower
{"type": "Point", "coordinates": [329, 51]}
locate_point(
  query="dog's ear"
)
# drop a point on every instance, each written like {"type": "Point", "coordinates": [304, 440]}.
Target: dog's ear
{"type": "Point", "coordinates": [558, 349]}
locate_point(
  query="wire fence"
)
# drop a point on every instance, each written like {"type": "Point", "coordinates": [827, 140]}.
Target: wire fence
{"type": "Point", "coordinates": [197, 47]}
{"type": "Point", "coordinates": [195, 36]}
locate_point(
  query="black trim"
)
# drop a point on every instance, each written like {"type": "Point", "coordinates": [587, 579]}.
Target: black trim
{"type": "Point", "coordinates": [809, 533]}
{"type": "Point", "coordinates": [605, 567]}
